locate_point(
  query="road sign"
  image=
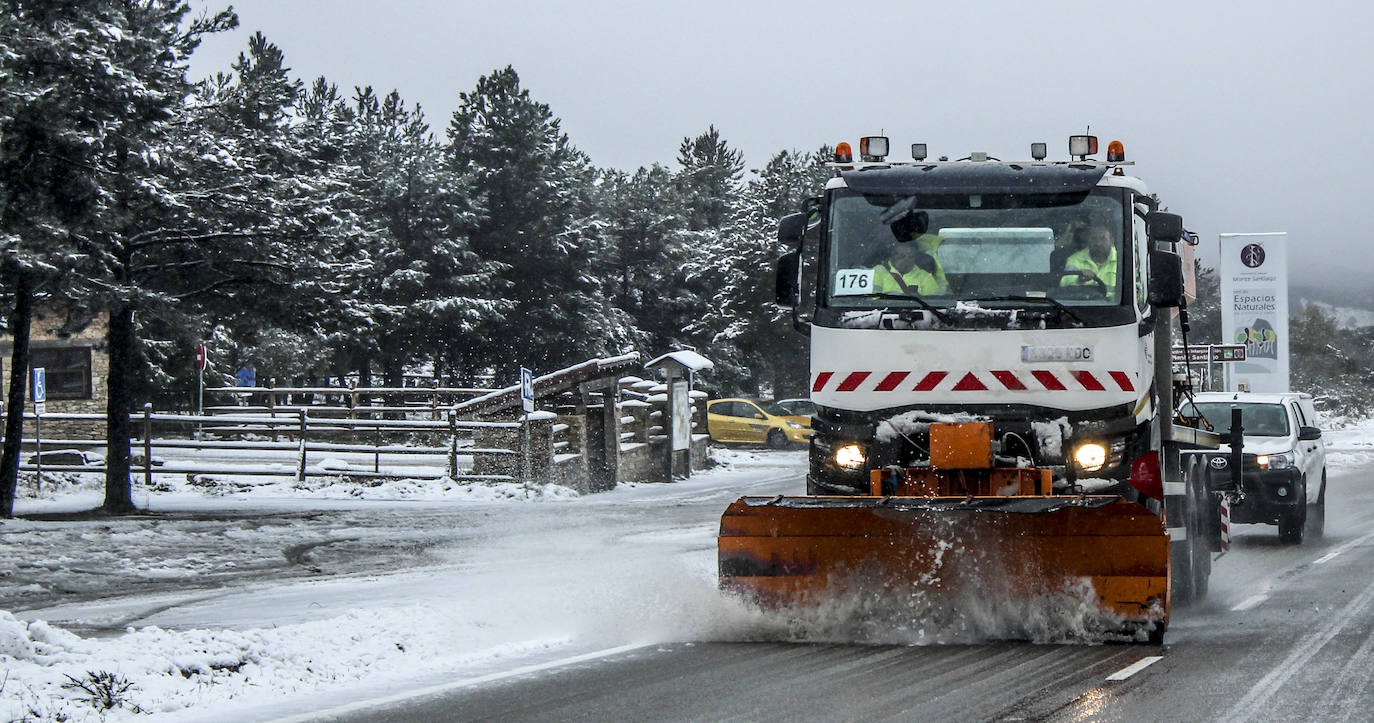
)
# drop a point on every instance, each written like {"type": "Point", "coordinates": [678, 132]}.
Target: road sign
{"type": "Point", "coordinates": [526, 391]}
{"type": "Point", "coordinates": [40, 391]}
{"type": "Point", "coordinates": [200, 357]}
{"type": "Point", "coordinates": [1218, 353]}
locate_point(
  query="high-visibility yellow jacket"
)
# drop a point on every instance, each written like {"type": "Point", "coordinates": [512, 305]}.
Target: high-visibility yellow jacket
{"type": "Point", "coordinates": [1106, 271]}
{"type": "Point", "coordinates": [917, 281]}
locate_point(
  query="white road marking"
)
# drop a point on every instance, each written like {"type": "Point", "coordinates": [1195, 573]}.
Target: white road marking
{"type": "Point", "coordinates": [1344, 548]}
{"type": "Point", "coordinates": [455, 685]}
{"type": "Point", "coordinates": [1252, 706]}
{"type": "Point", "coordinates": [1271, 583]}
{"type": "Point", "coordinates": [1135, 667]}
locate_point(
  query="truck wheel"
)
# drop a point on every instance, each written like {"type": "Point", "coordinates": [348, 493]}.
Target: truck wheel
{"type": "Point", "coordinates": [776, 439]}
{"type": "Point", "coordinates": [1180, 573]}
{"type": "Point", "coordinates": [1291, 523]}
{"type": "Point", "coordinates": [1316, 514]}
{"type": "Point", "coordinates": [1200, 533]}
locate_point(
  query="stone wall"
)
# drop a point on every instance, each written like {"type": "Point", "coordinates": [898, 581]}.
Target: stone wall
{"type": "Point", "coordinates": [45, 334]}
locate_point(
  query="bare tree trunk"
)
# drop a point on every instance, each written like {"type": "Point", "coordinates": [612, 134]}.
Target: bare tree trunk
{"type": "Point", "coordinates": [14, 403]}
{"type": "Point", "coordinates": [118, 429]}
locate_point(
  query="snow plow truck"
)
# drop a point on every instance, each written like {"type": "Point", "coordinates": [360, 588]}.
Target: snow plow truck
{"type": "Point", "coordinates": [995, 403]}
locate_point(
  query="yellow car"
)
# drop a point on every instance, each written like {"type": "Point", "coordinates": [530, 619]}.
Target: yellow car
{"type": "Point", "coordinates": [752, 421]}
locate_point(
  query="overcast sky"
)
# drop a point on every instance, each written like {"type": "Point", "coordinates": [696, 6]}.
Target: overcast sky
{"type": "Point", "coordinates": [1244, 117]}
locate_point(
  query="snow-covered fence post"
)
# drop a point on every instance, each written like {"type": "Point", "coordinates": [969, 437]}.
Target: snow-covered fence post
{"type": "Point", "coordinates": [452, 444]}
{"type": "Point", "coordinates": [300, 471]}
{"type": "Point", "coordinates": [148, 445]}
{"type": "Point", "coordinates": [272, 405]}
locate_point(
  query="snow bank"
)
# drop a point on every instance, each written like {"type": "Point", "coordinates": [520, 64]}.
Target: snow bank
{"type": "Point", "coordinates": [152, 670]}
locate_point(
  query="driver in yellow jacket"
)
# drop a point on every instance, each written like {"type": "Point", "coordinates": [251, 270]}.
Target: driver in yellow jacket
{"type": "Point", "coordinates": [911, 269]}
{"type": "Point", "coordinates": [1094, 264]}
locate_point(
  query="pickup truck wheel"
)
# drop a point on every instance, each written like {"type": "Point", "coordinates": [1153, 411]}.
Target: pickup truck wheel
{"type": "Point", "coordinates": [1292, 522]}
{"type": "Point", "coordinates": [1316, 514]}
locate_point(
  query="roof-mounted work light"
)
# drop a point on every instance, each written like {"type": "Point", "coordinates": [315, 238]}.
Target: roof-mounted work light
{"type": "Point", "coordinates": [918, 151]}
{"type": "Point", "coordinates": [1116, 152]}
{"type": "Point", "coordinates": [1082, 146]}
{"type": "Point", "coordinates": [843, 154]}
{"type": "Point", "coordinates": [873, 148]}
{"type": "Point", "coordinates": [1039, 151]}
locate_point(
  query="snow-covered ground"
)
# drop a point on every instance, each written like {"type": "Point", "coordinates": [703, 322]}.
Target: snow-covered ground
{"type": "Point", "coordinates": [262, 602]}
{"type": "Point", "coordinates": [259, 602]}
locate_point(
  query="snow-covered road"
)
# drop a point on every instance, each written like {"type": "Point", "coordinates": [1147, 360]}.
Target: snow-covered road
{"type": "Point", "coordinates": [280, 601]}
{"type": "Point", "coordinates": [265, 603]}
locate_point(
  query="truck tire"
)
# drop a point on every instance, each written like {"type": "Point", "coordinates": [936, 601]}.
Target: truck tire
{"type": "Point", "coordinates": [1201, 519]}
{"type": "Point", "coordinates": [1316, 514]}
{"type": "Point", "coordinates": [1292, 522]}
{"type": "Point", "coordinates": [1190, 559]}
{"type": "Point", "coordinates": [1180, 573]}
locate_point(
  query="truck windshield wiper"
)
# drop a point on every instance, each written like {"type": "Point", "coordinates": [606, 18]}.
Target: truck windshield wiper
{"type": "Point", "coordinates": [919, 301]}
{"type": "Point", "coordinates": [1038, 299]}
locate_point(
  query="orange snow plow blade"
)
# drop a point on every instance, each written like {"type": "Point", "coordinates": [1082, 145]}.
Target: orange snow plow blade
{"type": "Point", "coordinates": [786, 551]}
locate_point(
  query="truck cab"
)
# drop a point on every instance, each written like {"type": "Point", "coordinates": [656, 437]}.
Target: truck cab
{"type": "Point", "coordinates": [1030, 307]}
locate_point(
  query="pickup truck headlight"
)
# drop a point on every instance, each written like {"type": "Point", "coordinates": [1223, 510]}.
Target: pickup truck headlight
{"type": "Point", "coordinates": [1274, 461]}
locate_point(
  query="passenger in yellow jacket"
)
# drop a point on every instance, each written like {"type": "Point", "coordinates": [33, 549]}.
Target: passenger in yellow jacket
{"type": "Point", "coordinates": [910, 270]}
{"type": "Point", "coordinates": [1094, 263]}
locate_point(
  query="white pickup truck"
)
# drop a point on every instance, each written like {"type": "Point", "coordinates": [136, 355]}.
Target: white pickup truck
{"type": "Point", "coordinates": [1284, 472]}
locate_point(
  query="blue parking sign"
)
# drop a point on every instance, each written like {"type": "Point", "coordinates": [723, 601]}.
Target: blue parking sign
{"type": "Point", "coordinates": [526, 390]}
{"type": "Point", "coordinates": [40, 385]}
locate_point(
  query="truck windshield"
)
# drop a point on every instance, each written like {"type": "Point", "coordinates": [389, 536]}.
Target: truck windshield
{"type": "Point", "coordinates": [971, 247]}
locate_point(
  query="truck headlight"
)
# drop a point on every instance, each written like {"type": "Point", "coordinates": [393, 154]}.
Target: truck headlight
{"type": "Point", "coordinates": [1274, 461]}
{"type": "Point", "coordinates": [1098, 456]}
{"type": "Point", "coordinates": [1090, 457]}
{"type": "Point", "coordinates": [850, 457]}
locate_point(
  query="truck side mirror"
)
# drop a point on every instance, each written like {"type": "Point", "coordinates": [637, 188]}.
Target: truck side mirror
{"type": "Point", "coordinates": [1309, 434]}
{"type": "Point", "coordinates": [1161, 226]}
{"type": "Point", "coordinates": [1166, 279]}
{"type": "Point", "coordinates": [788, 288]}
{"type": "Point", "coordinates": [791, 227]}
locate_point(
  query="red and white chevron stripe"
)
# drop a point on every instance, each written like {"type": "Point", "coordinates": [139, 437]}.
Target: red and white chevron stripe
{"type": "Point", "coordinates": [969, 381]}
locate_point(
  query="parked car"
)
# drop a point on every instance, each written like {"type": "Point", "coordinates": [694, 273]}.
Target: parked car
{"type": "Point", "coordinates": [1284, 472]}
{"type": "Point", "coordinates": [798, 407]}
{"type": "Point", "coordinates": [752, 421]}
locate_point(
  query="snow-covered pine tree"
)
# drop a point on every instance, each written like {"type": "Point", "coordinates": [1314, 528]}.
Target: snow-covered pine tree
{"type": "Point", "coordinates": [539, 227]}
{"type": "Point", "coordinates": [644, 222]}
{"type": "Point", "coordinates": [215, 203]}
{"type": "Point", "coordinates": [424, 285]}
{"type": "Point", "coordinates": [751, 339]}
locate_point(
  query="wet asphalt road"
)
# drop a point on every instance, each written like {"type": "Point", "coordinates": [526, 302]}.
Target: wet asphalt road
{"type": "Point", "coordinates": [1287, 634]}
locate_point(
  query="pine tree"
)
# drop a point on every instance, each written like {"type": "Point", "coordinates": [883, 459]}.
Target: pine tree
{"type": "Point", "coordinates": [644, 222]}
{"type": "Point", "coordinates": [87, 85]}
{"type": "Point", "coordinates": [539, 231]}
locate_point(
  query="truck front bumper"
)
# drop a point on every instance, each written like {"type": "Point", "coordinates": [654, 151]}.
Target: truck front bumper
{"type": "Point", "coordinates": [1269, 493]}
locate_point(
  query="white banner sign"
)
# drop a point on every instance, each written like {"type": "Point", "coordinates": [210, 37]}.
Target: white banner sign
{"type": "Point", "coordinates": [1254, 309]}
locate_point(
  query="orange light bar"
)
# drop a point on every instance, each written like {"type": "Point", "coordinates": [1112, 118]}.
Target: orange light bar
{"type": "Point", "coordinates": [843, 154]}
{"type": "Point", "coordinates": [1116, 152]}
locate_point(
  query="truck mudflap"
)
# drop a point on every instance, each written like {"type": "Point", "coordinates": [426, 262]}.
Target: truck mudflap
{"type": "Point", "coordinates": [799, 551]}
